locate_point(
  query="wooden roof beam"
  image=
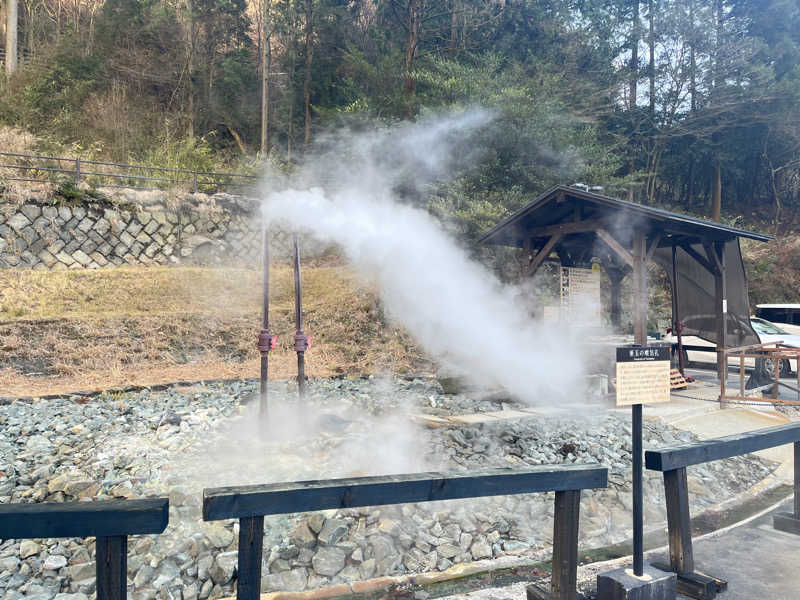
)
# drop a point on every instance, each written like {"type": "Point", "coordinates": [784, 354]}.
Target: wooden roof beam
{"type": "Point", "coordinates": [615, 246]}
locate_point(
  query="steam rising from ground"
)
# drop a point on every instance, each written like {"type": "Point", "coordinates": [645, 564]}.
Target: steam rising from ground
{"type": "Point", "coordinates": [457, 309]}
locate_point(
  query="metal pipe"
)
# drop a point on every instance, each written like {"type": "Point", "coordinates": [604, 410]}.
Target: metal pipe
{"type": "Point", "coordinates": [265, 338]}
{"type": "Point", "coordinates": [300, 338]}
{"type": "Point", "coordinates": [638, 529]}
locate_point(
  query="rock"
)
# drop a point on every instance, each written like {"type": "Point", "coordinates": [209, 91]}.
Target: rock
{"type": "Point", "coordinates": [448, 550]}
{"type": "Point", "coordinates": [143, 576]}
{"type": "Point", "coordinates": [28, 548]}
{"type": "Point", "coordinates": [481, 549]}
{"type": "Point", "coordinates": [303, 536]}
{"type": "Point", "coordinates": [328, 560]}
{"type": "Point", "coordinates": [219, 536]}
{"type": "Point", "coordinates": [332, 531]}
{"type": "Point", "coordinates": [224, 567]}
{"type": "Point", "coordinates": [315, 522]}
{"type": "Point", "coordinates": [367, 568]}
{"type": "Point", "coordinates": [294, 580]}
{"type": "Point", "coordinates": [54, 562]}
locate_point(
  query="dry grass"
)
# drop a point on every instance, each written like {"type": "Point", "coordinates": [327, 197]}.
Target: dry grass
{"type": "Point", "coordinates": [80, 330]}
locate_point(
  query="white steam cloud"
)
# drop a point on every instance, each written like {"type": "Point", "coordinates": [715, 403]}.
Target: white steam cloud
{"type": "Point", "coordinates": [456, 308]}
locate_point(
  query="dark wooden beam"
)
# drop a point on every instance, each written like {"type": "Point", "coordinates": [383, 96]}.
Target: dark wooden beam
{"type": "Point", "coordinates": [652, 245]}
{"type": "Point", "coordinates": [612, 243]}
{"type": "Point", "coordinates": [699, 258]}
{"type": "Point", "coordinates": [679, 525]}
{"type": "Point", "coordinates": [565, 545]}
{"type": "Point", "coordinates": [678, 457]}
{"type": "Point", "coordinates": [303, 496]}
{"type": "Point", "coordinates": [106, 518]}
{"type": "Point", "coordinates": [566, 228]}
{"type": "Point", "coordinates": [540, 257]}
{"type": "Point", "coordinates": [251, 542]}
{"type": "Point", "coordinates": [639, 290]}
{"type": "Point", "coordinates": [111, 567]}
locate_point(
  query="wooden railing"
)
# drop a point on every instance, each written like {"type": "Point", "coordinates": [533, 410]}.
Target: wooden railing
{"type": "Point", "coordinates": [673, 462]}
{"type": "Point", "coordinates": [111, 522]}
{"type": "Point", "coordinates": [250, 504]}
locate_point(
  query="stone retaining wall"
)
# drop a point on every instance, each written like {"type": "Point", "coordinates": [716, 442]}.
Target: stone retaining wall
{"type": "Point", "coordinates": [131, 228]}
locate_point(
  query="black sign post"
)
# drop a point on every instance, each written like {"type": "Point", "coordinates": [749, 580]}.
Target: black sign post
{"type": "Point", "coordinates": [642, 375]}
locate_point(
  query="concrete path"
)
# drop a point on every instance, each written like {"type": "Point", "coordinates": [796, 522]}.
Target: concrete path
{"type": "Point", "coordinates": [758, 562]}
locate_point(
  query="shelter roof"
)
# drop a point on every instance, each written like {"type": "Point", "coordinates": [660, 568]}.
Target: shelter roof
{"type": "Point", "coordinates": [569, 210]}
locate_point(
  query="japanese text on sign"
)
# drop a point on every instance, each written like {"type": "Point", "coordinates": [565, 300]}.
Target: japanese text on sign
{"type": "Point", "coordinates": [642, 375]}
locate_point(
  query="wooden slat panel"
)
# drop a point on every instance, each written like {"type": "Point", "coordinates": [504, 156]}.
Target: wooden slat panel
{"type": "Point", "coordinates": [677, 457]}
{"type": "Point", "coordinates": [303, 496]}
{"type": "Point", "coordinates": [83, 519]}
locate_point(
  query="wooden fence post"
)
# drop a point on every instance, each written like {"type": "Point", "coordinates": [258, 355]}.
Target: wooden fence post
{"type": "Point", "coordinates": [679, 525]}
{"type": "Point", "coordinates": [112, 566]}
{"type": "Point", "coordinates": [251, 539]}
{"type": "Point", "coordinates": [565, 545]}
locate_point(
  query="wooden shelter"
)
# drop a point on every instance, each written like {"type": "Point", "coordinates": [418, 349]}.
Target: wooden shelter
{"type": "Point", "coordinates": [579, 226]}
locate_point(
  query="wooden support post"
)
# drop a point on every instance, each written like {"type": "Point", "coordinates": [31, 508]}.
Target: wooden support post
{"type": "Point", "coordinates": [639, 291]}
{"type": "Point", "coordinates": [676, 490]}
{"type": "Point", "coordinates": [251, 539]}
{"type": "Point", "coordinates": [717, 257]}
{"type": "Point", "coordinates": [679, 529]}
{"type": "Point", "coordinates": [797, 480]}
{"type": "Point", "coordinates": [615, 277]}
{"type": "Point", "coordinates": [112, 567]}
{"type": "Point", "coordinates": [565, 545]}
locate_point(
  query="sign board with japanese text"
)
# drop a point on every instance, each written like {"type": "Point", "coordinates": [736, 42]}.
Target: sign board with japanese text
{"type": "Point", "coordinates": [642, 375]}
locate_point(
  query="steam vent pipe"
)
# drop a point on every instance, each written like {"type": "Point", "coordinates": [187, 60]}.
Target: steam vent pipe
{"type": "Point", "coordinates": [300, 339]}
{"type": "Point", "coordinates": [266, 341]}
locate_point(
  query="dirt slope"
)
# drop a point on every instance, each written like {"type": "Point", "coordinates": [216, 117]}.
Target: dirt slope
{"type": "Point", "coordinates": [82, 330]}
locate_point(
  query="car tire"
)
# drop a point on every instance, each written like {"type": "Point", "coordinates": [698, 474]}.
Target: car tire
{"type": "Point", "coordinates": [769, 366]}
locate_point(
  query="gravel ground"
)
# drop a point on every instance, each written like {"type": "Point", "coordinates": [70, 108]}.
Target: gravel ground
{"type": "Point", "coordinates": [177, 441]}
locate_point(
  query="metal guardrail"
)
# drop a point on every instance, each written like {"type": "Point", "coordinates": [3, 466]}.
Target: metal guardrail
{"type": "Point", "coordinates": [45, 169]}
{"type": "Point", "coordinates": [673, 462]}
{"type": "Point", "coordinates": [110, 521]}
{"type": "Point", "coordinates": [249, 504]}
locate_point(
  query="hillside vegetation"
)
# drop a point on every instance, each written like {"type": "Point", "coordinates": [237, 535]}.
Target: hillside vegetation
{"type": "Point", "coordinates": [688, 105]}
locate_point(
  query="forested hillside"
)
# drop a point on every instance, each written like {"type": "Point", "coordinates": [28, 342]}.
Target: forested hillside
{"type": "Point", "coordinates": [693, 105]}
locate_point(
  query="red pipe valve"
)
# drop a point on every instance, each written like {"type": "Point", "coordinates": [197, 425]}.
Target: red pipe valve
{"type": "Point", "coordinates": [302, 342]}
{"type": "Point", "coordinates": [266, 341]}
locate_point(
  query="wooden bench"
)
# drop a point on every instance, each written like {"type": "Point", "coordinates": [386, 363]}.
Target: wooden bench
{"type": "Point", "coordinates": [673, 462]}
{"type": "Point", "coordinates": [111, 522]}
{"type": "Point", "coordinates": [249, 504]}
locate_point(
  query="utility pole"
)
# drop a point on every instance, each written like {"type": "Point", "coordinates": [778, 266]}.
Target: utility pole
{"type": "Point", "coordinates": [11, 37]}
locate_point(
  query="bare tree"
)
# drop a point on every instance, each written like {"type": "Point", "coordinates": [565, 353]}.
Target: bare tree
{"type": "Point", "coordinates": [11, 36]}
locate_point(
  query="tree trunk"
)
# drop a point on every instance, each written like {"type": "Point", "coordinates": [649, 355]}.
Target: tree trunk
{"type": "Point", "coordinates": [716, 193]}
{"type": "Point", "coordinates": [692, 59]}
{"type": "Point", "coordinates": [409, 85]}
{"type": "Point", "coordinates": [635, 36]}
{"type": "Point", "coordinates": [266, 67]}
{"type": "Point", "coordinates": [189, 31]}
{"type": "Point", "coordinates": [651, 67]}
{"type": "Point", "coordinates": [11, 36]}
{"type": "Point", "coordinates": [455, 17]}
{"type": "Point", "coordinates": [307, 84]}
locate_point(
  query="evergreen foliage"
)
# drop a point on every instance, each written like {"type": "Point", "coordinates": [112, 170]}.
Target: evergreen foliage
{"type": "Point", "coordinates": [656, 100]}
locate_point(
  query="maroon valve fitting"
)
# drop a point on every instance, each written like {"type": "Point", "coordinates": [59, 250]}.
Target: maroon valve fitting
{"type": "Point", "coordinates": [302, 342]}
{"type": "Point", "coordinates": [266, 341]}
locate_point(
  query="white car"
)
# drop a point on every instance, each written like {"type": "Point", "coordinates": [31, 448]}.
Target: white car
{"type": "Point", "coordinates": [767, 332]}
{"type": "Point", "coordinates": [785, 316]}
